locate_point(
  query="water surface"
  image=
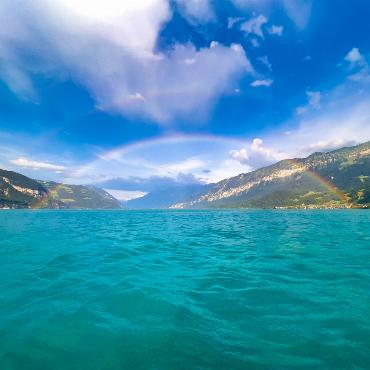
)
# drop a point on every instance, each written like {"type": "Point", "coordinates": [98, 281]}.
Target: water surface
{"type": "Point", "coordinates": [160, 290]}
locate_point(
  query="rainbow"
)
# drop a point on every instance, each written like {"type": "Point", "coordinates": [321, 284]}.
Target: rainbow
{"type": "Point", "coordinates": [329, 186]}
{"type": "Point", "coordinates": [178, 138]}
{"type": "Point", "coordinates": [42, 202]}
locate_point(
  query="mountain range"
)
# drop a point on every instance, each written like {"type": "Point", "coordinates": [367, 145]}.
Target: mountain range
{"type": "Point", "coordinates": [336, 179]}
{"type": "Point", "coordinates": [340, 178]}
{"type": "Point", "coordinates": [18, 191]}
{"type": "Point", "coordinates": [167, 197]}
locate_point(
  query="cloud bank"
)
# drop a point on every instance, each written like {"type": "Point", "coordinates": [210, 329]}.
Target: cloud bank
{"type": "Point", "coordinates": [110, 48]}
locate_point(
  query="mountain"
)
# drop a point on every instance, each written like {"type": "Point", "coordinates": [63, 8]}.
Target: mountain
{"type": "Point", "coordinates": [79, 196]}
{"type": "Point", "coordinates": [18, 191]}
{"type": "Point", "coordinates": [340, 178]}
{"type": "Point", "coordinates": [162, 199]}
{"type": "Point", "coordinates": [336, 179]}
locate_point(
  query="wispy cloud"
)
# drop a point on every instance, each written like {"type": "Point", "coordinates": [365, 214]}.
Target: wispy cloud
{"type": "Point", "coordinates": [339, 122]}
{"type": "Point", "coordinates": [17, 81]}
{"type": "Point", "coordinates": [261, 83]}
{"type": "Point", "coordinates": [254, 25]}
{"type": "Point", "coordinates": [358, 65]}
{"type": "Point", "coordinates": [276, 30]}
{"type": "Point", "coordinates": [28, 163]}
{"type": "Point", "coordinates": [185, 166]}
{"type": "Point", "coordinates": [255, 42]}
{"type": "Point", "coordinates": [232, 21]}
{"type": "Point", "coordinates": [313, 102]}
{"type": "Point", "coordinates": [314, 98]}
{"type": "Point", "coordinates": [265, 61]}
{"type": "Point", "coordinates": [327, 145]}
{"type": "Point", "coordinates": [143, 185]}
{"type": "Point", "coordinates": [299, 11]}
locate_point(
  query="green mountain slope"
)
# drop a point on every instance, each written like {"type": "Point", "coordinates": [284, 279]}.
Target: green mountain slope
{"type": "Point", "coordinates": [340, 178]}
{"type": "Point", "coordinates": [78, 197]}
{"type": "Point", "coordinates": [18, 191]}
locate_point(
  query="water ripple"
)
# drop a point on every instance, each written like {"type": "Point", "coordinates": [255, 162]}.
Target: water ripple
{"type": "Point", "coordinates": [184, 290]}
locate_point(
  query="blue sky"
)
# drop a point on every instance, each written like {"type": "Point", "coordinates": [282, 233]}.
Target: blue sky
{"type": "Point", "coordinates": [134, 94]}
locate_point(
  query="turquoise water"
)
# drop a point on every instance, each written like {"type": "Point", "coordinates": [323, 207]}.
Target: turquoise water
{"type": "Point", "coordinates": [184, 290]}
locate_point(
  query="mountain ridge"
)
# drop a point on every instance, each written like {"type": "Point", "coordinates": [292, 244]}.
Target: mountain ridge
{"type": "Point", "coordinates": [333, 179]}
{"type": "Point", "coordinates": [19, 191]}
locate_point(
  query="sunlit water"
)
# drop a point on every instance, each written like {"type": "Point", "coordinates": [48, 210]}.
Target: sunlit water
{"type": "Point", "coordinates": [184, 290]}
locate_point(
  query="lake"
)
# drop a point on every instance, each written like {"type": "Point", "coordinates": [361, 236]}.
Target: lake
{"type": "Point", "coordinates": [162, 290]}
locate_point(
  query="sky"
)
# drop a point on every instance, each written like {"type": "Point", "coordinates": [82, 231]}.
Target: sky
{"type": "Point", "coordinates": [138, 95]}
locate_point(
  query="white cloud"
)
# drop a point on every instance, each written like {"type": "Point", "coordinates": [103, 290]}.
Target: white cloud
{"type": "Point", "coordinates": [254, 28]}
{"type": "Point", "coordinates": [359, 66]}
{"type": "Point", "coordinates": [17, 81]}
{"type": "Point", "coordinates": [193, 160]}
{"type": "Point", "coordinates": [343, 119]}
{"type": "Point", "coordinates": [136, 96]}
{"type": "Point", "coordinates": [232, 21]}
{"type": "Point", "coordinates": [263, 83]}
{"type": "Point", "coordinates": [197, 10]}
{"type": "Point", "coordinates": [225, 169]}
{"type": "Point", "coordinates": [362, 75]}
{"type": "Point", "coordinates": [255, 42]}
{"type": "Point", "coordinates": [313, 102]}
{"type": "Point", "coordinates": [299, 11]}
{"type": "Point", "coordinates": [110, 49]}
{"type": "Point", "coordinates": [340, 122]}
{"type": "Point", "coordinates": [28, 163]}
{"type": "Point", "coordinates": [254, 25]}
{"type": "Point", "coordinates": [345, 124]}
{"type": "Point", "coordinates": [314, 98]}
{"type": "Point", "coordinates": [246, 4]}
{"type": "Point", "coordinates": [189, 61]}
{"type": "Point", "coordinates": [256, 154]}
{"type": "Point", "coordinates": [326, 145]}
{"type": "Point", "coordinates": [186, 166]}
{"type": "Point", "coordinates": [240, 155]}
{"type": "Point", "coordinates": [265, 61]}
{"type": "Point", "coordinates": [269, 154]}
{"type": "Point", "coordinates": [301, 110]}
{"type": "Point", "coordinates": [354, 56]}
{"type": "Point", "coordinates": [276, 30]}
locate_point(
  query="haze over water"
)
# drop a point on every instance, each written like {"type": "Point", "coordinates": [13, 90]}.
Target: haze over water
{"type": "Point", "coordinates": [184, 290]}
